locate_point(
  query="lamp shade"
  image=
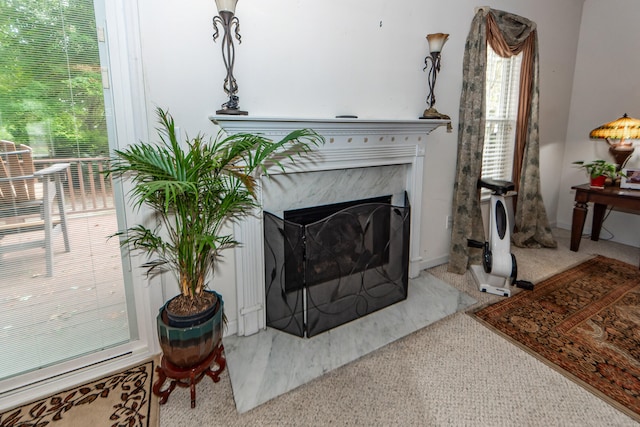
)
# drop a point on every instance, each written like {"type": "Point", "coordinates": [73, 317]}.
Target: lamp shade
{"type": "Point", "coordinates": [436, 41]}
{"type": "Point", "coordinates": [226, 5]}
{"type": "Point", "coordinates": [624, 128]}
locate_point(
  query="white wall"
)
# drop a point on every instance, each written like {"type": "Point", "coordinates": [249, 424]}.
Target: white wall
{"type": "Point", "coordinates": [606, 86]}
{"type": "Point", "coordinates": [323, 58]}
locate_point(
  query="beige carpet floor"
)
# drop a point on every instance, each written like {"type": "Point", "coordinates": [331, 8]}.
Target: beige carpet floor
{"type": "Point", "coordinates": [455, 372]}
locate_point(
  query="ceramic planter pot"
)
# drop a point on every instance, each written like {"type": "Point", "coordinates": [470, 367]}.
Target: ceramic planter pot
{"type": "Point", "coordinates": [189, 346]}
{"type": "Point", "coordinates": [598, 182]}
{"type": "Point", "coordinates": [191, 320]}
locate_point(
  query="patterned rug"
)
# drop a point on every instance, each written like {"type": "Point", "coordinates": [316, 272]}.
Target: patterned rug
{"type": "Point", "coordinates": [585, 322]}
{"type": "Point", "coordinates": [121, 399]}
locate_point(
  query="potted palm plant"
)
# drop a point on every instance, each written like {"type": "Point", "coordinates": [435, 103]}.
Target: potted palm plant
{"type": "Point", "coordinates": [194, 191]}
{"type": "Point", "coordinates": [599, 171]}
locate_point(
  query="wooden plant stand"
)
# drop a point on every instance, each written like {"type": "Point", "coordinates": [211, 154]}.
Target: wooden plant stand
{"type": "Point", "coordinates": [188, 377]}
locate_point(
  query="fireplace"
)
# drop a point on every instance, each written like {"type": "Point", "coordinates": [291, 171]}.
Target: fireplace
{"type": "Point", "coordinates": [367, 158]}
{"type": "Point", "coordinates": [330, 264]}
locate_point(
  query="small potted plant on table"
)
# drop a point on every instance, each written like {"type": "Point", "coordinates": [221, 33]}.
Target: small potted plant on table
{"type": "Point", "coordinates": [193, 192]}
{"type": "Point", "coordinates": [599, 171]}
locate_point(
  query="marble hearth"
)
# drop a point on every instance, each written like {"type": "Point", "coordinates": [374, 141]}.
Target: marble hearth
{"type": "Point", "coordinates": [266, 365]}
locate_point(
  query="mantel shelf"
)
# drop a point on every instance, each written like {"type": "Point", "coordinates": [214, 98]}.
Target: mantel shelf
{"type": "Point", "coordinates": [326, 127]}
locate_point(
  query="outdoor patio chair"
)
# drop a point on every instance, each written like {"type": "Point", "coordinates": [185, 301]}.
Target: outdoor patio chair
{"type": "Point", "coordinates": [26, 201]}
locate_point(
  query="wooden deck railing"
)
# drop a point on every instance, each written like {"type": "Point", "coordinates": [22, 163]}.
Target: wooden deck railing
{"type": "Point", "coordinates": [87, 189]}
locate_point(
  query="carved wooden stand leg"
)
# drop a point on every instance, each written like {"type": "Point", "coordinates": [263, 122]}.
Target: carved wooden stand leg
{"type": "Point", "coordinates": [188, 377]}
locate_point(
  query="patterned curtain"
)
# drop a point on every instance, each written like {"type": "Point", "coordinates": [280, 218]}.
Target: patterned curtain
{"type": "Point", "coordinates": [531, 223]}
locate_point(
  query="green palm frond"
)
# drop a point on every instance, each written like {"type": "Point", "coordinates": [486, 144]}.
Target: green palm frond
{"type": "Point", "coordinates": [195, 191]}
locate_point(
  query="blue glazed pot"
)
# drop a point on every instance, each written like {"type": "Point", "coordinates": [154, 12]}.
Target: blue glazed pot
{"type": "Point", "coordinates": [189, 346]}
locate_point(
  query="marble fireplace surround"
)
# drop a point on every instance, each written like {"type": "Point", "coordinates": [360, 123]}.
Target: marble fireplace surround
{"type": "Point", "coordinates": [388, 153]}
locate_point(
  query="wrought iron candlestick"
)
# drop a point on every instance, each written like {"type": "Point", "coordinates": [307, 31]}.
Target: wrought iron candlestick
{"type": "Point", "coordinates": [227, 18]}
{"type": "Point", "coordinates": [432, 62]}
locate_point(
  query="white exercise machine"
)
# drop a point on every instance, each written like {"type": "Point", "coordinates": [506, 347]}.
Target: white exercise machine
{"type": "Point", "coordinates": [499, 267]}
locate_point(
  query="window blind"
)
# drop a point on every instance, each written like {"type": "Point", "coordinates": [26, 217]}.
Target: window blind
{"type": "Point", "coordinates": [502, 89]}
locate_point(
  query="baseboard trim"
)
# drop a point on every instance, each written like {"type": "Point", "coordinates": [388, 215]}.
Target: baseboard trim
{"type": "Point", "coordinates": [433, 262]}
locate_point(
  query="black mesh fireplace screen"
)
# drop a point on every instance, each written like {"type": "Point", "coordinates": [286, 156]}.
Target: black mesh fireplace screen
{"type": "Point", "coordinates": [331, 264]}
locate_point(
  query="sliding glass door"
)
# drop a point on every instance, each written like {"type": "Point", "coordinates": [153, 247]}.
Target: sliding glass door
{"type": "Point", "coordinates": [55, 106]}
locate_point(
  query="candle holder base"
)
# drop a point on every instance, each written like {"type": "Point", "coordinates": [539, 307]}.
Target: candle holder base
{"type": "Point", "coordinates": [232, 112]}
{"type": "Point", "coordinates": [432, 113]}
{"type": "Point", "coordinates": [232, 107]}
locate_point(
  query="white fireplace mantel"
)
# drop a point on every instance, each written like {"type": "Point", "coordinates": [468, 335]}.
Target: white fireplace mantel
{"type": "Point", "coordinates": [349, 143]}
{"type": "Point", "coordinates": [327, 127]}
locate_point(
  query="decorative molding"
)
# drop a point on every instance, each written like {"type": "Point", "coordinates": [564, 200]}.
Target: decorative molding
{"type": "Point", "coordinates": [326, 127]}
{"type": "Point", "coordinates": [345, 157]}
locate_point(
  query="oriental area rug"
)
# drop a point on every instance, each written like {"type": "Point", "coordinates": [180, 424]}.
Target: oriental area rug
{"type": "Point", "coordinates": [121, 399]}
{"type": "Point", "coordinates": [584, 322]}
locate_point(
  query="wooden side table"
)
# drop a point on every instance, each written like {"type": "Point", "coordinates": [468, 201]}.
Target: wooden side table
{"type": "Point", "coordinates": [188, 377]}
{"type": "Point", "coordinates": [601, 198]}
